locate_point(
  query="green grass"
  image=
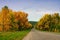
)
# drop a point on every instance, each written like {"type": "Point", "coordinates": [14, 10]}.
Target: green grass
{"type": "Point", "coordinates": [58, 33]}
{"type": "Point", "coordinates": [13, 35]}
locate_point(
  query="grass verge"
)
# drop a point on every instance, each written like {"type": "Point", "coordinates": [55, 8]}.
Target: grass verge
{"type": "Point", "coordinates": [51, 32]}
{"type": "Point", "coordinates": [18, 35]}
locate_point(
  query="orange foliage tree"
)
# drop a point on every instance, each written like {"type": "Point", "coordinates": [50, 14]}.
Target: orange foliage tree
{"type": "Point", "coordinates": [11, 20]}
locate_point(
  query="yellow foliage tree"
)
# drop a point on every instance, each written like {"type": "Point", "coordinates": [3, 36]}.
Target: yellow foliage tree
{"type": "Point", "coordinates": [12, 20]}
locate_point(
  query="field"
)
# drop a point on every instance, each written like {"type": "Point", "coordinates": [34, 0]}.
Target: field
{"type": "Point", "coordinates": [13, 35]}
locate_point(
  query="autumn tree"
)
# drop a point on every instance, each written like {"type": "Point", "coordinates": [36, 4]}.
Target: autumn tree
{"type": "Point", "coordinates": [12, 20]}
{"type": "Point", "coordinates": [5, 18]}
{"type": "Point", "coordinates": [49, 22]}
{"type": "Point", "coordinates": [21, 20]}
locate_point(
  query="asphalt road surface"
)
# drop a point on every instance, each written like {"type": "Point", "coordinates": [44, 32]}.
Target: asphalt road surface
{"type": "Point", "coordinates": [38, 35]}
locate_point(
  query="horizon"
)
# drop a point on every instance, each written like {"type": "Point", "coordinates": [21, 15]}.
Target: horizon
{"type": "Point", "coordinates": [35, 8]}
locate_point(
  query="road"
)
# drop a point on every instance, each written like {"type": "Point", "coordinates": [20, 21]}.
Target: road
{"type": "Point", "coordinates": [38, 35]}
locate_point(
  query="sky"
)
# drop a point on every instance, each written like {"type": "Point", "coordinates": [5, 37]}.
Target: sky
{"type": "Point", "coordinates": [35, 8]}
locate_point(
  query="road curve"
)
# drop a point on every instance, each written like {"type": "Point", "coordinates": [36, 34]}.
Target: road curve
{"type": "Point", "coordinates": [38, 35]}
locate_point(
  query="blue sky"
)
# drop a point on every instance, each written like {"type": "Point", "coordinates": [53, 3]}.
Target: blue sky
{"type": "Point", "coordinates": [35, 8]}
